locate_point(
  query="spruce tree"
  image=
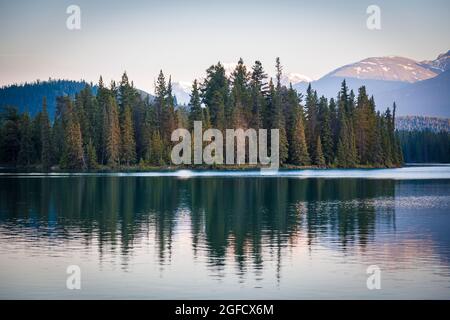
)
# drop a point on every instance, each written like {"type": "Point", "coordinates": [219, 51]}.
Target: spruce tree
{"type": "Point", "coordinates": [26, 144]}
{"type": "Point", "coordinates": [257, 95]}
{"type": "Point", "coordinates": [326, 131]}
{"type": "Point", "coordinates": [215, 95]}
{"type": "Point", "coordinates": [112, 133]}
{"type": "Point", "coordinates": [319, 158]}
{"type": "Point", "coordinates": [128, 154]}
{"type": "Point", "coordinates": [299, 150]}
{"type": "Point", "coordinates": [91, 156]}
{"type": "Point", "coordinates": [239, 111]}
{"type": "Point", "coordinates": [343, 145]}
{"type": "Point", "coordinates": [312, 122]}
{"type": "Point", "coordinates": [46, 154]}
{"type": "Point", "coordinates": [157, 150]}
{"type": "Point", "coordinates": [73, 157]}
{"type": "Point", "coordinates": [195, 111]}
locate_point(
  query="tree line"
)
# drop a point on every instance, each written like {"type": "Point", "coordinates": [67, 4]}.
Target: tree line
{"type": "Point", "coordinates": [425, 146]}
{"type": "Point", "coordinates": [117, 127]}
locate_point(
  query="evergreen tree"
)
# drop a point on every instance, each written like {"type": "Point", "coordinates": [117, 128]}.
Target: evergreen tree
{"type": "Point", "coordinates": [128, 154]}
{"type": "Point", "coordinates": [319, 158]}
{"type": "Point", "coordinates": [168, 119]}
{"type": "Point", "coordinates": [196, 111]}
{"type": "Point", "coordinates": [10, 135]}
{"type": "Point", "coordinates": [26, 145]}
{"type": "Point", "coordinates": [112, 133]}
{"type": "Point", "coordinates": [91, 156]}
{"type": "Point", "coordinates": [326, 131]}
{"type": "Point", "coordinates": [217, 107]}
{"type": "Point", "coordinates": [72, 157]}
{"type": "Point", "coordinates": [275, 114]}
{"type": "Point", "coordinates": [299, 150]}
{"type": "Point", "coordinates": [343, 146]}
{"type": "Point", "coordinates": [215, 94]}
{"type": "Point", "coordinates": [157, 150]}
{"type": "Point", "coordinates": [312, 122]}
{"type": "Point", "coordinates": [160, 97]}
{"type": "Point", "coordinates": [46, 151]}
{"type": "Point", "coordinates": [239, 113]}
{"type": "Point", "coordinates": [257, 95]}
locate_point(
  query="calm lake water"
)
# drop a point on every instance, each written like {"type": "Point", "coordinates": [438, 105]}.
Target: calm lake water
{"type": "Point", "coordinates": [221, 235]}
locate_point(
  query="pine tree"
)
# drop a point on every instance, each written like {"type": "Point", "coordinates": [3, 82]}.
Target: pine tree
{"type": "Point", "coordinates": [26, 144]}
{"type": "Point", "coordinates": [73, 157]}
{"type": "Point", "coordinates": [319, 158]}
{"type": "Point", "coordinates": [160, 97]}
{"type": "Point", "coordinates": [215, 95]}
{"type": "Point", "coordinates": [196, 111]}
{"type": "Point", "coordinates": [91, 156]}
{"type": "Point", "coordinates": [112, 133]}
{"type": "Point", "coordinates": [299, 150]}
{"type": "Point", "coordinates": [257, 95]}
{"type": "Point", "coordinates": [326, 131]}
{"type": "Point", "coordinates": [397, 151]}
{"type": "Point", "coordinates": [157, 150]}
{"type": "Point", "coordinates": [218, 105]}
{"type": "Point", "coordinates": [343, 142]}
{"type": "Point", "coordinates": [10, 135]}
{"type": "Point", "coordinates": [128, 149]}
{"type": "Point", "coordinates": [312, 122]}
{"type": "Point", "coordinates": [168, 115]}
{"type": "Point", "coordinates": [239, 114]}
{"type": "Point", "coordinates": [46, 154]}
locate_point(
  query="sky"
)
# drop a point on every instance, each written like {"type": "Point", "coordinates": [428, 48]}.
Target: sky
{"type": "Point", "coordinates": [184, 37]}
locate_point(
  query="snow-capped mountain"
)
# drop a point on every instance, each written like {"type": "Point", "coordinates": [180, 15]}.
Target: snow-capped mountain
{"type": "Point", "coordinates": [418, 88]}
{"type": "Point", "coordinates": [294, 78]}
{"type": "Point", "coordinates": [182, 91]}
{"type": "Point", "coordinates": [385, 68]}
{"type": "Point", "coordinates": [441, 64]}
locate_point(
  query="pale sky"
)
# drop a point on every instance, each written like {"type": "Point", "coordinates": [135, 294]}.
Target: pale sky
{"type": "Point", "coordinates": [184, 37]}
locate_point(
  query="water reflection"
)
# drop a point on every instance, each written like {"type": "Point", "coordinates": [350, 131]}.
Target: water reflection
{"type": "Point", "coordinates": [271, 233]}
{"type": "Point", "coordinates": [226, 216]}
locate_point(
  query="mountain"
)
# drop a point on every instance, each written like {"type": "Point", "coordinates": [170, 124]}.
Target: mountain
{"type": "Point", "coordinates": [430, 97]}
{"type": "Point", "coordinates": [182, 91]}
{"type": "Point", "coordinates": [330, 86]}
{"type": "Point", "coordinates": [385, 69]}
{"type": "Point", "coordinates": [28, 96]}
{"type": "Point", "coordinates": [418, 88]}
{"type": "Point", "coordinates": [441, 64]}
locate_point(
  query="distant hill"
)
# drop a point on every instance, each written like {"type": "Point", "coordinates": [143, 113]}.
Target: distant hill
{"type": "Point", "coordinates": [28, 96]}
{"type": "Point", "coordinates": [330, 86]}
{"type": "Point", "coordinates": [420, 123]}
{"type": "Point", "coordinates": [428, 98]}
{"type": "Point", "coordinates": [386, 69]}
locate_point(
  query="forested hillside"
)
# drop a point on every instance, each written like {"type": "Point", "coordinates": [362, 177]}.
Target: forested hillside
{"type": "Point", "coordinates": [420, 123]}
{"type": "Point", "coordinates": [115, 127]}
{"type": "Point", "coordinates": [28, 96]}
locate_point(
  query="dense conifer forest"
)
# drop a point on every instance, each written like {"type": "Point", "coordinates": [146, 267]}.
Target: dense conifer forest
{"type": "Point", "coordinates": [114, 127]}
{"type": "Point", "coordinates": [425, 146]}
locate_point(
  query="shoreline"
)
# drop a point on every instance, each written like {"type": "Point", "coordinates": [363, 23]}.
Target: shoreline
{"type": "Point", "coordinates": [236, 168]}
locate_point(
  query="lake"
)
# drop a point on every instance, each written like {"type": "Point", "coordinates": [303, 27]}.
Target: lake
{"type": "Point", "coordinates": [305, 234]}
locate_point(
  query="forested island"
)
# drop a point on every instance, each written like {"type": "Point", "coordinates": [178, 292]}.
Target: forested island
{"type": "Point", "coordinates": [117, 128]}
